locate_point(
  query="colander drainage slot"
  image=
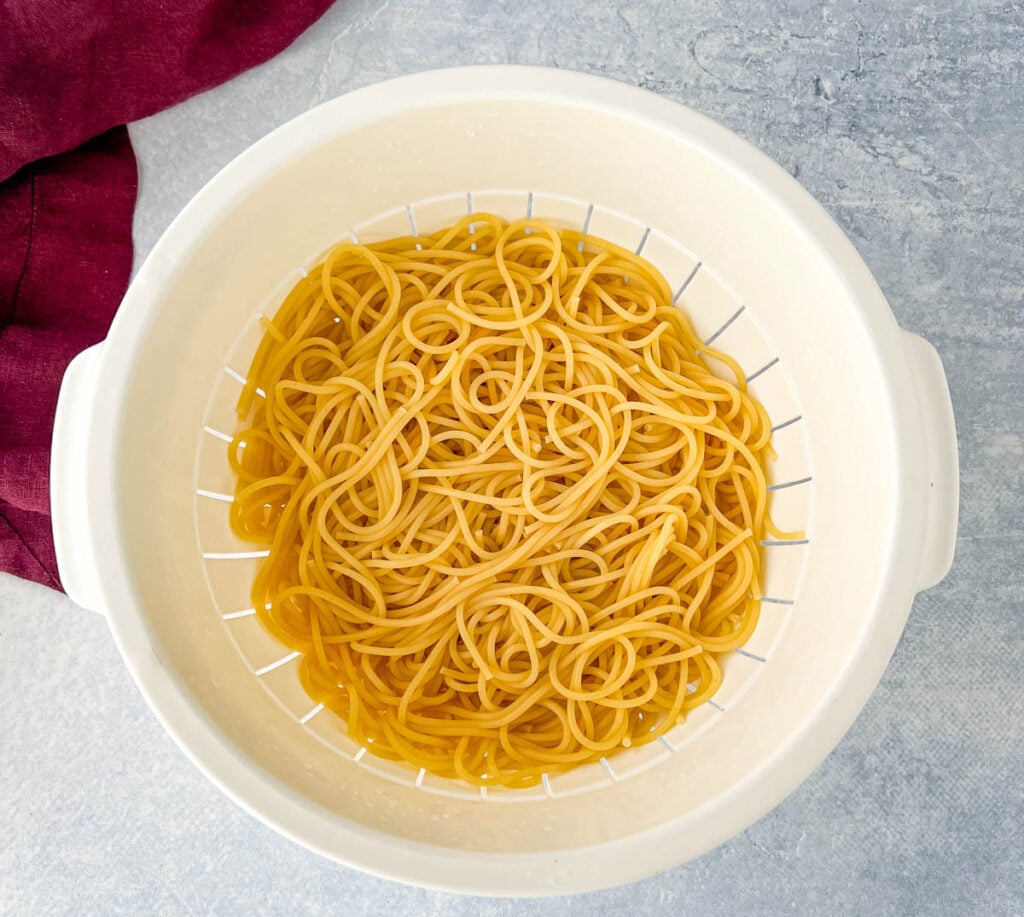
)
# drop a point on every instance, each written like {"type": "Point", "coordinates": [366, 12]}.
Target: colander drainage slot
{"type": "Point", "coordinates": [235, 555]}
{"type": "Point", "coordinates": [469, 212]}
{"type": "Point", "coordinates": [762, 370]}
{"type": "Point", "coordinates": [643, 240]}
{"type": "Point", "coordinates": [241, 380]}
{"type": "Point", "coordinates": [787, 484]}
{"type": "Point", "coordinates": [743, 652]}
{"type": "Point", "coordinates": [278, 663]}
{"type": "Point", "coordinates": [785, 544]}
{"type": "Point", "coordinates": [412, 225]}
{"type": "Point", "coordinates": [686, 283]}
{"type": "Point", "coordinates": [311, 714]}
{"type": "Point", "coordinates": [216, 434]}
{"type": "Point", "coordinates": [213, 495]}
{"type": "Point", "coordinates": [728, 322]}
{"type": "Point", "coordinates": [786, 423]}
{"type": "Point", "coordinates": [586, 225]}
{"type": "Point", "coordinates": [765, 598]}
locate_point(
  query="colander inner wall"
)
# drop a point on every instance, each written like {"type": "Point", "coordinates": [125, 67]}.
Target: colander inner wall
{"type": "Point", "coordinates": [718, 316]}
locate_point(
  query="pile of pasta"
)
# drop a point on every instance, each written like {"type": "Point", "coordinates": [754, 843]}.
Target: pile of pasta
{"type": "Point", "coordinates": [513, 517]}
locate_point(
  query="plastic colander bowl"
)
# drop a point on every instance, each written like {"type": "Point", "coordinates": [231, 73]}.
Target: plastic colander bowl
{"type": "Point", "coordinates": [864, 433]}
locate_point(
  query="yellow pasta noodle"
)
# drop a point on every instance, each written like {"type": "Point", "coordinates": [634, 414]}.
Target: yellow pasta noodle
{"type": "Point", "coordinates": [513, 517]}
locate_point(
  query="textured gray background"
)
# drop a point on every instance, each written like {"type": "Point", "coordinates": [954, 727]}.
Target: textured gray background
{"type": "Point", "coordinates": [907, 123]}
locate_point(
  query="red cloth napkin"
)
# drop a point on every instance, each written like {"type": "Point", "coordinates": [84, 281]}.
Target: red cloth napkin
{"type": "Point", "coordinates": [71, 71]}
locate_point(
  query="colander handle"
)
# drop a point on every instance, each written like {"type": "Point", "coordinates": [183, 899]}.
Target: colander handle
{"type": "Point", "coordinates": [70, 488]}
{"type": "Point", "coordinates": [941, 468]}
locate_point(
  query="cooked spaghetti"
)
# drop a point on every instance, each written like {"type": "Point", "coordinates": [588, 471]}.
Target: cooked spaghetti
{"type": "Point", "coordinates": [513, 517]}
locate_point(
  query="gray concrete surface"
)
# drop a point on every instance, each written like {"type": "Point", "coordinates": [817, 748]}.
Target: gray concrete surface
{"type": "Point", "coordinates": [907, 123]}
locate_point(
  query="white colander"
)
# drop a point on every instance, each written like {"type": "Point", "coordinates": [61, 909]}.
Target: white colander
{"type": "Point", "coordinates": [864, 432]}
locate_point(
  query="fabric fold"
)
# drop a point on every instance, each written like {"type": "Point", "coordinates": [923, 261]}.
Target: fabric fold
{"type": "Point", "coordinates": [72, 73]}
